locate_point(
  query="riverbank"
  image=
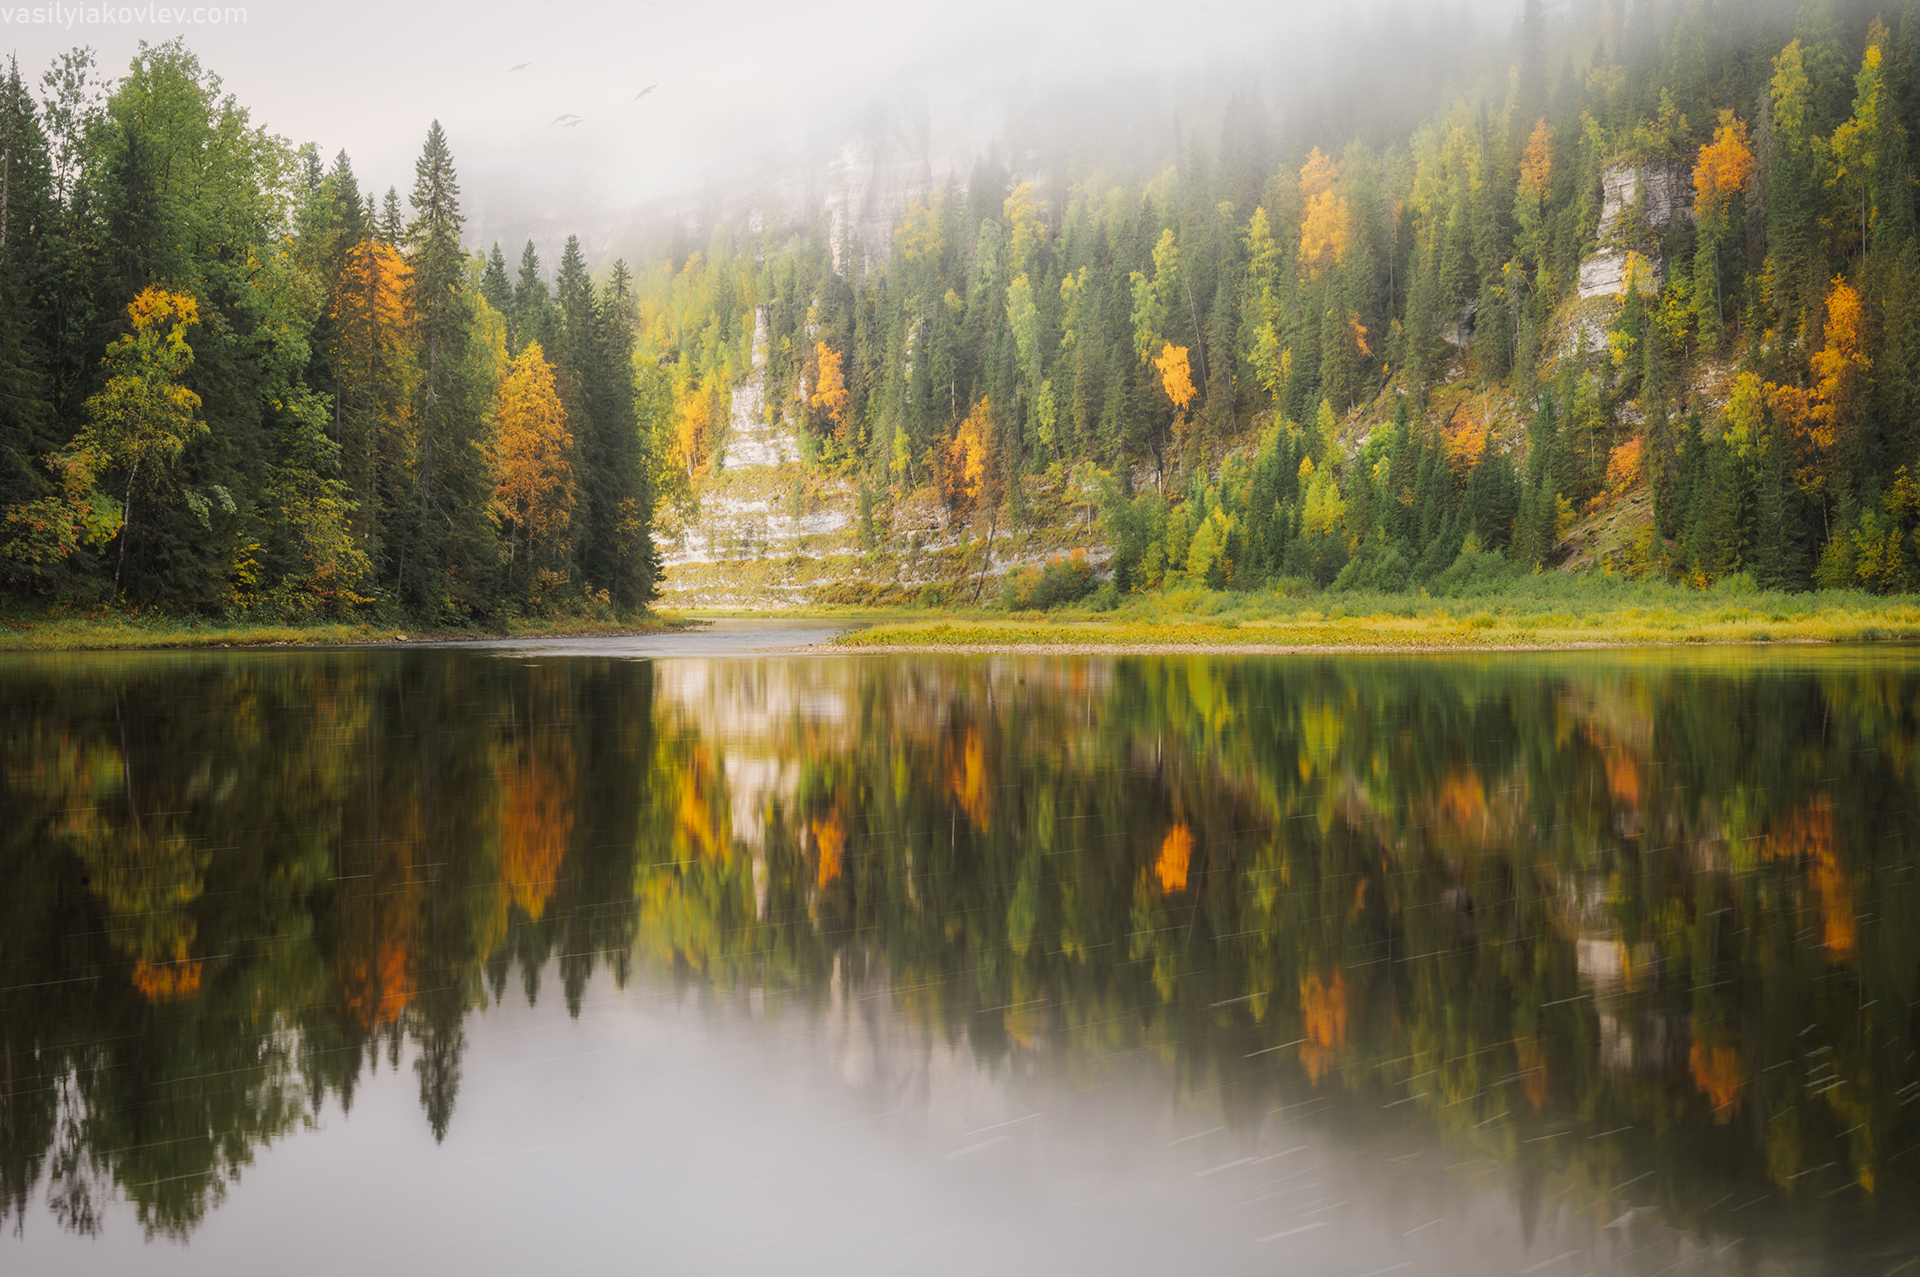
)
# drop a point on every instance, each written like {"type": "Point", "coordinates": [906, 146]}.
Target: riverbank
{"type": "Point", "coordinates": [1264, 624]}
{"type": "Point", "coordinates": [84, 632]}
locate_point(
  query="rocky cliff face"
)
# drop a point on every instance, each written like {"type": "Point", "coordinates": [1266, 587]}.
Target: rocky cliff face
{"type": "Point", "coordinates": [766, 532]}
{"type": "Point", "coordinates": [1663, 193]}
{"type": "Point", "coordinates": [870, 183]}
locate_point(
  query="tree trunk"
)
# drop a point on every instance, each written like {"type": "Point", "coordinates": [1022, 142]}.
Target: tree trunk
{"type": "Point", "coordinates": [126, 533]}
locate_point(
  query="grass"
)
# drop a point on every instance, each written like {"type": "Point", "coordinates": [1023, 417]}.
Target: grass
{"type": "Point", "coordinates": [1555, 610]}
{"type": "Point", "coordinates": [100, 630]}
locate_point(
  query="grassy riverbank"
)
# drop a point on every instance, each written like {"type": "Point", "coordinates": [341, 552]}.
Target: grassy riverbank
{"type": "Point", "coordinates": [1546, 611]}
{"type": "Point", "coordinates": [22, 631]}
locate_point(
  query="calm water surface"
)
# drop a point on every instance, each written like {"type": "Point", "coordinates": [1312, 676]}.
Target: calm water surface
{"type": "Point", "coordinates": [612, 957]}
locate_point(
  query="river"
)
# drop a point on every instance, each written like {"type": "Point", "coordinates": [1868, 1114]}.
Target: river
{"type": "Point", "coordinates": [720, 953]}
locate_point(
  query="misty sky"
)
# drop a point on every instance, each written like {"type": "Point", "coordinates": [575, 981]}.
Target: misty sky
{"type": "Point", "coordinates": [744, 85]}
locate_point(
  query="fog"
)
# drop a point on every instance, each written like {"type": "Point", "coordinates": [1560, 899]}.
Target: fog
{"type": "Point", "coordinates": [542, 100]}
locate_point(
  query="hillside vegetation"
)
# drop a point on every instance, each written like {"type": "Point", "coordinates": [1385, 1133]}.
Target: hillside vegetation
{"type": "Point", "coordinates": [1622, 291]}
{"type": "Point", "coordinates": [1633, 292]}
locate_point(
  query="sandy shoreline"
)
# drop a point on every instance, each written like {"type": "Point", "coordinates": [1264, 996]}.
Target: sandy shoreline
{"type": "Point", "coordinates": [1251, 649]}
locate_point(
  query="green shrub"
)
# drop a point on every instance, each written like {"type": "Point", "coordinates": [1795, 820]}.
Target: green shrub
{"type": "Point", "coordinates": [1065, 579]}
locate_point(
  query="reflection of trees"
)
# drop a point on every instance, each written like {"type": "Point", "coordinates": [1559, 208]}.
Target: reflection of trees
{"type": "Point", "coordinates": [1666, 909]}
{"type": "Point", "coordinates": [219, 917]}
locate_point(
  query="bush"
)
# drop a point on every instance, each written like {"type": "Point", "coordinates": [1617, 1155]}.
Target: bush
{"type": "Point", "coordinates": [1065, 579]}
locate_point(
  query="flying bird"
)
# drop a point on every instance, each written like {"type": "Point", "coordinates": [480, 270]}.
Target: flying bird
{"type": "Point", "coordinates": [523, 66]}
{"type": "Point", "coordinates": [574, 123]}
{"type": "Point", "coordinates": [642, 93]}
{"type": "Point", "coordinates": [558, 119]}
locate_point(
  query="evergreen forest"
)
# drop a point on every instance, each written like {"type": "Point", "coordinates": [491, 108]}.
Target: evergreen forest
{"type": "Point", "coordinates": [1630, 286]}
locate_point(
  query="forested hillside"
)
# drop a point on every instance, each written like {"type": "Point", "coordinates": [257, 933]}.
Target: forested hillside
{"type": "Point", "coordinates": [235, 382]}
{"type": "Point", "coordinates": [1628, 285]}
{"type": "Point", "coordinates": [1652, 271]}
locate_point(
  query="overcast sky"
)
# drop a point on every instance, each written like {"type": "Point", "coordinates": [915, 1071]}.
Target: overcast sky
{"type": "Point", "coordinates": [742, 83]}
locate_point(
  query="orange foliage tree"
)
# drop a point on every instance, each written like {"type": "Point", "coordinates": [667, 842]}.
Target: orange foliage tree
{"type": "Point", "coordinates": [1723, 169]}
{"type": "Point", "coordinates": [1721, 172]}
{"type": "Point", "coordinates": [532, 456]}
{"type": "Point", "coordinates": [1536, 165]}
{"type": "Point", "coordinates": [1837, 365]}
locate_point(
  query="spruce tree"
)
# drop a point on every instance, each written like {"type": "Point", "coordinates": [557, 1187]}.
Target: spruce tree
{"type": "Point", "coordinates": [450, 537]}
{"type": "Point", "coordinates": [494, 285]}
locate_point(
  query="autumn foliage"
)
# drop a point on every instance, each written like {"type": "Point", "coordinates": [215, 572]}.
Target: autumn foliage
{"type": "Point", "coordinates": [536, 826]}
{"type": "Point", "coordinates": [1718, 1076]}
{"type": "Point", "coordinates": [1807, 837]}
{"type": "Point", "coordinates": [1536, 164]}
{"type": "Point", "coordinates": [1175, 851]}
{"type": "Point", "coordinates": [967, 778]}
{"type": "Point", "coordinates": [1724, 167]}
{"type": "Point", "coordinates": [969, 471]}
{"type": "Point", "coordinates": [1176, 376]}
{"type": "Point", "coordinates": [1838, 364]}
{"type": "Point", "coordinates": [830, 394]}
{"type": "Point", "coordinates": [1326, 224]}
{"type": "Point", "coordinates": [532, 456]}
{"type": "Point", "coordinates": [1323, 1011]}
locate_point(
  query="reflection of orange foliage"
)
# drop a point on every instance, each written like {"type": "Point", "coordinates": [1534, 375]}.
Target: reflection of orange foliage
{"type": "Point", "coordinates": [830, 839]}
{"type": "Point", "coordinates": [693, 818]}
{"type": "Point", "coordinates": [1623, 777]}
{"type": "Point", "coordinates": [1323, 1007]}
{"type": "Point", "coordinates": [536, 828]}
{"type": "Point", "coordinates": [1808, 835]}
{"type": "Point", "coordinates": [379, 921]}
{"type": "Point", "coordinates": [1175, 850]}
{"type": "Point", "coordinates": [159, 981]}
{"type": "Point", "coordinates": [967, 779]}
{"type": "Point", "coordinates": [1532, 1058]}
{"type": "Point", "coordinates": [1462, 800]}
{"type": "Point", "coordinates": [1717, 1075]}
{"type": "Point", "coordinates": [380, 1001]}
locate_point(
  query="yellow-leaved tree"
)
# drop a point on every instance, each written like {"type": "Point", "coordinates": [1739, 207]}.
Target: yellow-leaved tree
{"type": "Point", "coordinates": [532, 458]}
{"type": "Point", "coordinates": [830, 394]}
{"type": "Point", "coordinates": [1837, 366]}
{"type": "Point", "coordinates": [1326, 223]}
{"type": "Point", "coordinates": [1176, 376]}
{"type": "Point", "coordinates": [143, 418]}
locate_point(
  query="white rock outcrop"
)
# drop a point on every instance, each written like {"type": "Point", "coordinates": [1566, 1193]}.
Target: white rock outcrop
{"type": "Point", "coordinates": [1663, 191]}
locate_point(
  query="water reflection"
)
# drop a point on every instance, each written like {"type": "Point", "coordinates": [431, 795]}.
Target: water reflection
{"type": "Point", "coordinates": [1635, 937]}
